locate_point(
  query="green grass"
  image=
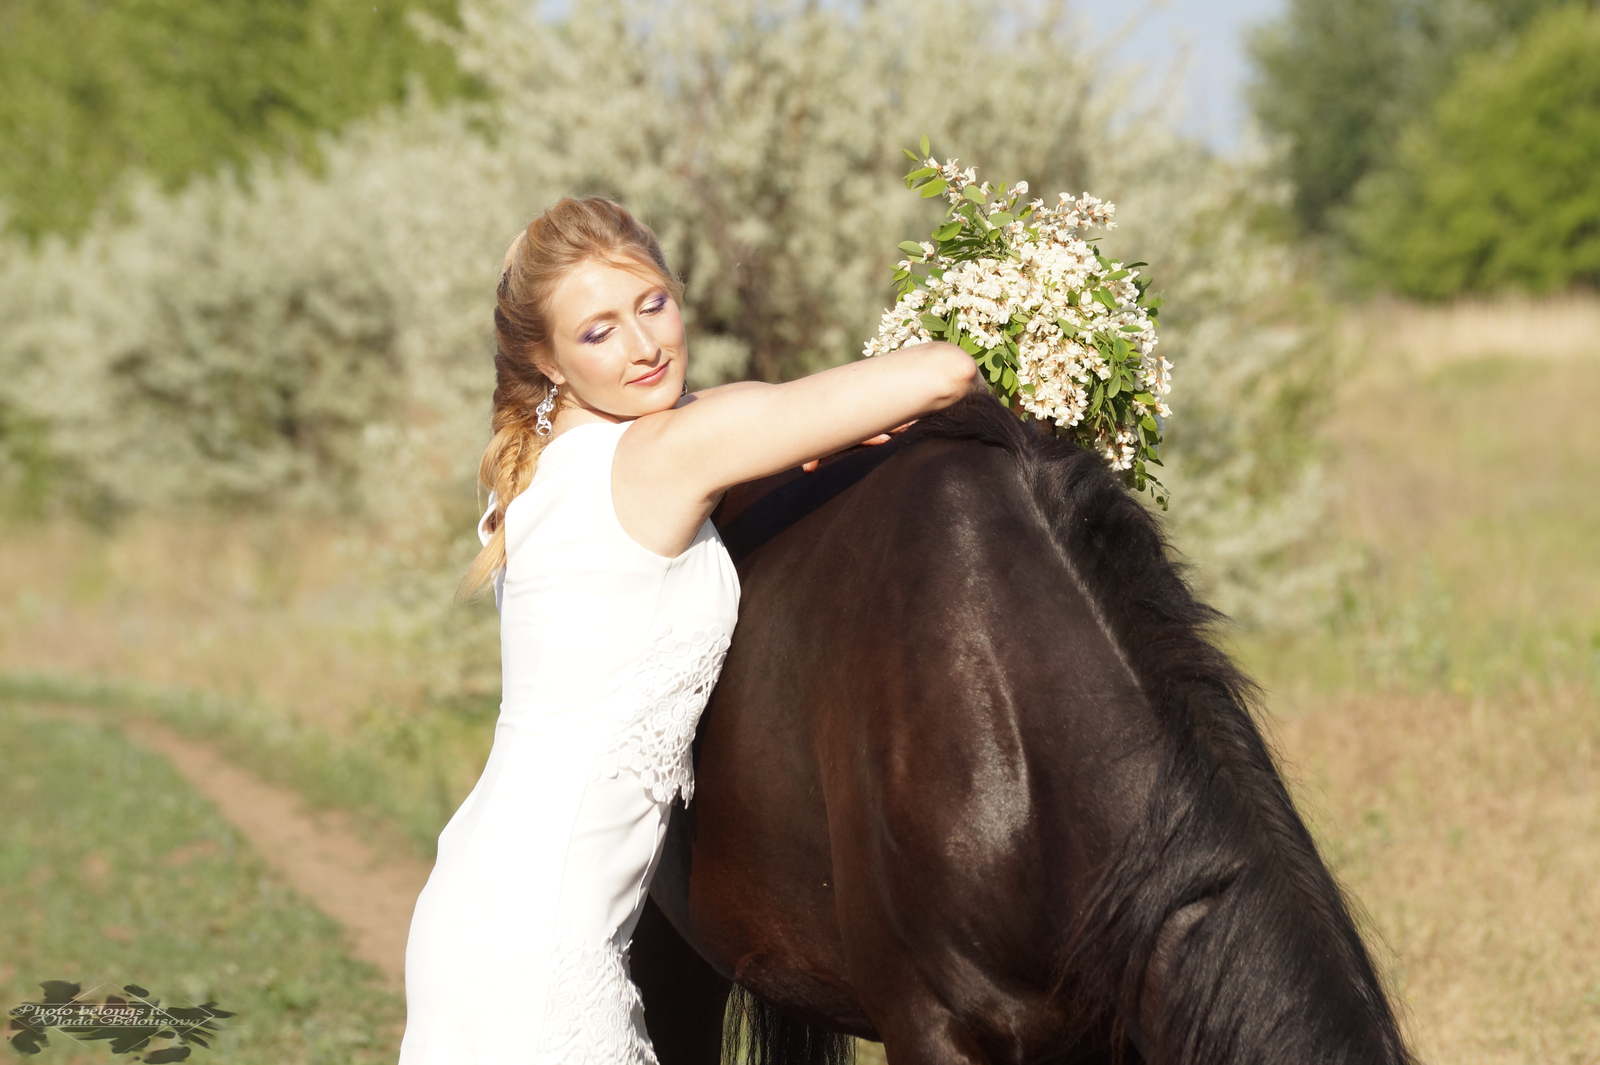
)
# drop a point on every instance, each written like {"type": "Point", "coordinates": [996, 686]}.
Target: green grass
{"type": "Point", "coordinates": [402, 775]}
{"type": "Point", "coordinates": [113, 869]}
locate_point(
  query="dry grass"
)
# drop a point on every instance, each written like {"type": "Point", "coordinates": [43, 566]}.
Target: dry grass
{"type": "Point", "coordinates": [270, 613]}
{"type": "Point", "coordinates": [1446, 726]}
{"type": "Point", "coordinates": [1469, 830]}
{"type": "Point", "coordinates": [1431, 335]}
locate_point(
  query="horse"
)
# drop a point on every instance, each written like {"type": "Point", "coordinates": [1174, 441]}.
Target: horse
{"type": "Point", "coordinates": [976, 782]}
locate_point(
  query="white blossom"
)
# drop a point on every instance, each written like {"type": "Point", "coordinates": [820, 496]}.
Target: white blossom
{"type": "Point", "coordinates": [1047, 279]}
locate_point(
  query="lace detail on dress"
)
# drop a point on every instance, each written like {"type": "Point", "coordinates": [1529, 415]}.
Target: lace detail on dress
{"type": "Point", "coordinates": [665, 697]}
{"type": "Point", "coordinates": [593, 1015]}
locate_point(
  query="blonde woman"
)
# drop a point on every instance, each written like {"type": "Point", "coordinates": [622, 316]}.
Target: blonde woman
{"type": "Point", "coordinates": [617, 601]}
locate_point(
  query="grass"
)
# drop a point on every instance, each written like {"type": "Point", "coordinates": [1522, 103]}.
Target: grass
{"type": "Point", "coordinates": [1443, 724]}
{"type": "Point", "coordinates": [402, 775]}
{"type": "Point", "coordinates": [113, 870]}
{"type": "Point", "coordinates": [1473, 537]}
{"type": "Point", "coordinates": [261, 635]}
{"type": "Point", "coordinates": [1468, 827]}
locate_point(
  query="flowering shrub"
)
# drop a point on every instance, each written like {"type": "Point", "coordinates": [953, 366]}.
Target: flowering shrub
{"type": "Point", "coordinates": [1060, 331]}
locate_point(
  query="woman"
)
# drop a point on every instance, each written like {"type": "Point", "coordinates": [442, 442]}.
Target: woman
{"type": "Point", "coordinates": [616, 603]}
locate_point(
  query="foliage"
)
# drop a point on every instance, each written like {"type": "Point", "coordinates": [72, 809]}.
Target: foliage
{"type": "Point", "coordinates": [1497, 186]}
{"type": "Point", "coordinates": [1059, 330]}
{"type": "Point", "coordinates": [1336, 81]}
{"type": "Point", "coordinates": [318, 340]}
{"type": "Point", "coordinates": [90, 89]}
{"type": "Point", "coordinates": [243, 345]}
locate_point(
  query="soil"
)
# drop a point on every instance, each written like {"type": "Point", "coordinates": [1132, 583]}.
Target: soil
{"type": "Point", "coordinates": [370, 891]}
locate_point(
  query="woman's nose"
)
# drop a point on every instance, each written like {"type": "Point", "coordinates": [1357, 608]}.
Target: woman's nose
{"type": "Point", "coordinates": [642, 347]}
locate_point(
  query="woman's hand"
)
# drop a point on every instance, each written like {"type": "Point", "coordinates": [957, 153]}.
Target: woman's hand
{"type": "Point", "coordinates": [881, 438]}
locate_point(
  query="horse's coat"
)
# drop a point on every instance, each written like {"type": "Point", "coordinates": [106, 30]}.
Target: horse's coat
{"type": "Point", "coordinates": [974, 783]}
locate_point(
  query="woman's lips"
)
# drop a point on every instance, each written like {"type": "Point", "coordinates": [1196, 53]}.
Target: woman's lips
{"type": "Point", "coordinates": [652, 377]}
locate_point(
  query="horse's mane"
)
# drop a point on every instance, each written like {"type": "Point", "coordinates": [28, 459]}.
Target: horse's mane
{"type": "Point", "coordinates": [1275, 969]}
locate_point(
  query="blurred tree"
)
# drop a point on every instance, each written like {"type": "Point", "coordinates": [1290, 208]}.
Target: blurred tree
{"type": "Point", "coordinates": [1335, 80]}
{"type": "Point", "coordinates": [90, 89]}
{"type": "Point", "coordinates": [1497, 187]}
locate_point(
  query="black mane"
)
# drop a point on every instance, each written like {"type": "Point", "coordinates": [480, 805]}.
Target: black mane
{"type": "Point", "coordinates": [1274, 970]}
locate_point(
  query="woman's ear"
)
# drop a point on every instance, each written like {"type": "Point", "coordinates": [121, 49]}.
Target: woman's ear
{"type": "Point", "coordinates": [547, 366]}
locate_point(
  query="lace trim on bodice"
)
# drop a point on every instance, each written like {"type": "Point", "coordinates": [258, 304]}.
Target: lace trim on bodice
{"type": "Point", "coordinates": [665, 698]}
{"type": "Point", "coordinates": [593, 1014]}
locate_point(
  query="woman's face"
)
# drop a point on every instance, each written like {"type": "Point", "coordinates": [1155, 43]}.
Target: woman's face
{"type": "Point", "coordinates": [617, 340]}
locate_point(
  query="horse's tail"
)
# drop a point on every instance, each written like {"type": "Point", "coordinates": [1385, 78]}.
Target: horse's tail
{"type": "Point", "coordinates": [758, 1033]}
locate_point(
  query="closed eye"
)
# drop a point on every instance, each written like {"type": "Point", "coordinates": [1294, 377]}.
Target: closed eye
{"type": "Point", "coordinates": [655, 305]}
{"type": "Point", "coordinates": [595, 336]}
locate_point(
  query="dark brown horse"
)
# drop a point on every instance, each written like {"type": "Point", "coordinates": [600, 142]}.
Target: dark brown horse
{"type": "Point", "coordinates": [975, 783]}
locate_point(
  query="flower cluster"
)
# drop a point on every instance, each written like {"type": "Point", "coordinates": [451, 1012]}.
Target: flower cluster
{"type": "Point", "coordinates": [1063, 334]}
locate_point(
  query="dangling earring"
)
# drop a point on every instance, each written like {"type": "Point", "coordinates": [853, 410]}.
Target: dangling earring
{"type": "Point", "coordinates": [542, 427]}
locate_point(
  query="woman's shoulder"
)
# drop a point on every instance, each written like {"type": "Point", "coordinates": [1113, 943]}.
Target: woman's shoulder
{"type": "Point", "coordinates": [577, 461]}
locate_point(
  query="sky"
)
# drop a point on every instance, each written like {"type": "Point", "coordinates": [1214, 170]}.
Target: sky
{"type": "Point", "coordinates": [1212, 33]}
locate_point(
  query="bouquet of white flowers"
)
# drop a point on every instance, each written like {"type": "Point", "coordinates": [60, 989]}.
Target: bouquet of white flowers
{"type": "Point", "coordinates": [1063, 334]}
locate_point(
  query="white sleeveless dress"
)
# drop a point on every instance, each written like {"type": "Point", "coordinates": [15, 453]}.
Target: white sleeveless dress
{"type": "Point", "coordinates": [518, 944]}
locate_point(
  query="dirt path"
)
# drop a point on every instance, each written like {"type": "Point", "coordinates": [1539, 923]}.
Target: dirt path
{"type": "Point", "coordinates": [317, 852]}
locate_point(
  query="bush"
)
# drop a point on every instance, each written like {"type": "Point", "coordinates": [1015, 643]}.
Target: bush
{"type": "Point", "coordinates": [1497, 187]}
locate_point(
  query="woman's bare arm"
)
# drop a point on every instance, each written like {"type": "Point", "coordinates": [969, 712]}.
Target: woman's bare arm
{"type": "Point", "coordinates": [672, 467]}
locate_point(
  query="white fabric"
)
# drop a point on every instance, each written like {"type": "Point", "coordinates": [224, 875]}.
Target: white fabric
{"type": "Point", "coordinates": [518, 945]}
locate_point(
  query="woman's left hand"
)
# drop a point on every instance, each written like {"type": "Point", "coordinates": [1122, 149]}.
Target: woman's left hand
{"type": "Point", "coordinates": [881, 438]}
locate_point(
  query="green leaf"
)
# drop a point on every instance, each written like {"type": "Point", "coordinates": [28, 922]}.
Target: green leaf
{"type": "Point", "coordinates": [1001, 218]}
{"type": "Point", "coordinates": [1105, 298]}
{"type": "Point", "coordinates": [1145, 397]}
{"type": "Point", "coordinates": [1118, 276]}
{"type": "Point", "coordinates": [1008, 380]}
{"type": "Point", "coordinates": [933, 188]}
{"type": "Point", "coordinates": [901, 275]}
{"type": "Point", "coordinates": [911, 247]}
{"type": "Point", "coordinates": [1148, 422]}
{"type": "Point", "coordinates": [923, 144]}
{"type": "Point", "coordinates": [1132, 328]}
{"type": "Point", "coordinates": [1030, 388]}
{"type": "Point", "coordinates": [946, 231]}
{"type": "Point", "coordinates": [913, 156]}
{"type": "Point", "coordinates": [932, 324]}
{"type": "Point", "coordinates": [917, 175]}
{"type": "Point", "coordinates": [968, 345]}
{"type": "Point", "coordinates": [1113, 385]}
{"type": "Point", "coordinates": [971, 193]}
